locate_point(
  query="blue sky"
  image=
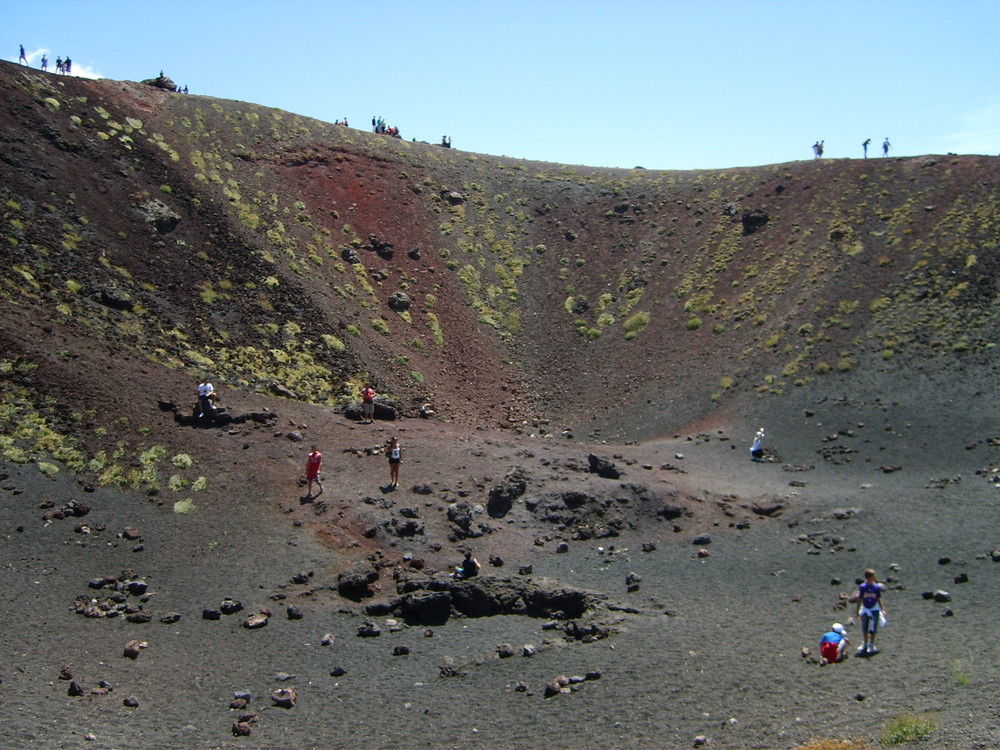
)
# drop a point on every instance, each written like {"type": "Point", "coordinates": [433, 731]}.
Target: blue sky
{"type": "Point", "coordinates": [662, 84]}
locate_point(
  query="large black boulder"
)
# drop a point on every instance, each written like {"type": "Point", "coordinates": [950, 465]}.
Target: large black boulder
{"type": "Point", "coordinates": [503, 495]}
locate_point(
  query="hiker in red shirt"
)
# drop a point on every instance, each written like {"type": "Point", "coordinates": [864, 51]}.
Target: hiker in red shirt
{"type": "Point", "coordinates": [313, 464]}
{"type": "Point", "coordinates": [368, 404]}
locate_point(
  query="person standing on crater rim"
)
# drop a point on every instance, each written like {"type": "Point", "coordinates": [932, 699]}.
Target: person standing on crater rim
{"type": "Point", "coordinates": [23, 57]}
{"type": "Point", "coordinates": [885, 146]}
{"type": "Point", "coordinates": [865, 145]}
{"type": "Point", "coordinates": [313, 464]}
{"type": "Point", "coordinates": [871, 611]}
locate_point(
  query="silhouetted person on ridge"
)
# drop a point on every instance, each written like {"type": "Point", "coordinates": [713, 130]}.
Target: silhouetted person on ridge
{"type": "Point", "coordinates": [68, 66]}
{"type": "Point", "coordinates": [59, 65]}
{"type": "Point", "coordinates": [865, 146]}
{"type": "Point", "coordinates": [22, 56]}
{"type": "Point", "coordinates": [45, 63]}
{"type": "Point", "coordinates": [885, 146]}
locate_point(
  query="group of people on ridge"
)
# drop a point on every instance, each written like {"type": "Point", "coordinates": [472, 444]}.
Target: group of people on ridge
{"type": "Point", "coordinates": [818, 148]}
{"type": "Point", "coordinates": [62, 66]}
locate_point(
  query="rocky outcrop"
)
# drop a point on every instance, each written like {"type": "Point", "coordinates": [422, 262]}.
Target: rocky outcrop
{"type": "Point", "coordinates": [355, 583]}
{"type": "Point", "coordinates": [432, 600]}
{"type": "Point", "coordinates": [603, 467]}
{"type": "Point", "coordinates": [503, 495]}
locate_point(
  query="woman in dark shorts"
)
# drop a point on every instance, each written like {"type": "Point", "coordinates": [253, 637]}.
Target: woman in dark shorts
{"type": "Point", "coordinates": [395, 454]}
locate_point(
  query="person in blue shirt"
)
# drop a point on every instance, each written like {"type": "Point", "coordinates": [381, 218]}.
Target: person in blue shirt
{"type": "Point", "coordinates": [871, 611]}
{"type": "Point", "coordinates": [833, 643]}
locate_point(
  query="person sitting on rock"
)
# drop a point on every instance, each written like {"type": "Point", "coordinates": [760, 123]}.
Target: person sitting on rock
{"type": "Point", "coordinates": [206, 398]}
{"type": "Point", "coordinates": [469, 567]}
{"type": "Point", "coordinates": [834, 643]}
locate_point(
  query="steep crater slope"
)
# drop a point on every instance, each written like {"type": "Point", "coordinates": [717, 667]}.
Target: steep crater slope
{"type": "Point", "coordinates": [286, 255]}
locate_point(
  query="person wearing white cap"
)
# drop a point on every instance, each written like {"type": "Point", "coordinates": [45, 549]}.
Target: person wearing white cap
{"type": "Point", "coordinates": [834, 643]}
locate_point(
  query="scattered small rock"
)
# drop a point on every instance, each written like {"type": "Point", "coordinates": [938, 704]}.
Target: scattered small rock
{"type": "Point", "coordinates": [259, 620]}
{"type": "Point", "coordinates": [132, 649]}
{"type": "Point", "coordinates": [285, 697]}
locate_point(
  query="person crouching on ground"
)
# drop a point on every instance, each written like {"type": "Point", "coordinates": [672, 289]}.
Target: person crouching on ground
{"type": "Point", "coordinates": [834, 643]}
{"type": "Point", "coordinates": [757, 448]}
{"type": "Point", "coordinates": [395, 454]}
{"type": "Point", "coordinates": [870, 610]}
{"type": "Point", "coordinates": [313, 464]}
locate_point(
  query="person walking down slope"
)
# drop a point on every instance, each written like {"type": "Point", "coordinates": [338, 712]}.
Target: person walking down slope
{"type": "Point", "coordinates": [395, 454]}
{"type": "Point", "coordinates": [885, 146]}
{"type": "Point", "coordinates": [757, 447]}
{"type": "Point", "coordinates": [834, 643]}
{"type": "Point", "coordinates": [313, 465]}
{"type": "Point", "coordinates": [871, 611]}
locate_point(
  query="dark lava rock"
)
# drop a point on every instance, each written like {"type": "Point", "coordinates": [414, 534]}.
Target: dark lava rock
{"type": "Point", "coordinates": [502, 496]}
{"type": "Point", "coordinates": [702, 539]}
{"type": "Point", "coordinates": [338, 672]}
{"type": "Point", "coordinates": [754, 219]}
{"type": "Point", "coordinates": [369, 630]}
{"type": "Point", "coordinates": [211, 614]}
{"type": "Point", "coordinates": [294, 613]}
{"type": "Point", "coordinates": [632, 581]}
{"type": "Point", "coordinates": [400, 650]}
{"type": "Point", "coordinates": [426, 608]}
{"type": "Point", "coordinates": [131, 702]}
{"type": "Point", "coordinates": [399, 302]}
{"type": "Point", "coordinates": [603, 467]}
{"type": "Point", "coordinates": [354, 583]}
